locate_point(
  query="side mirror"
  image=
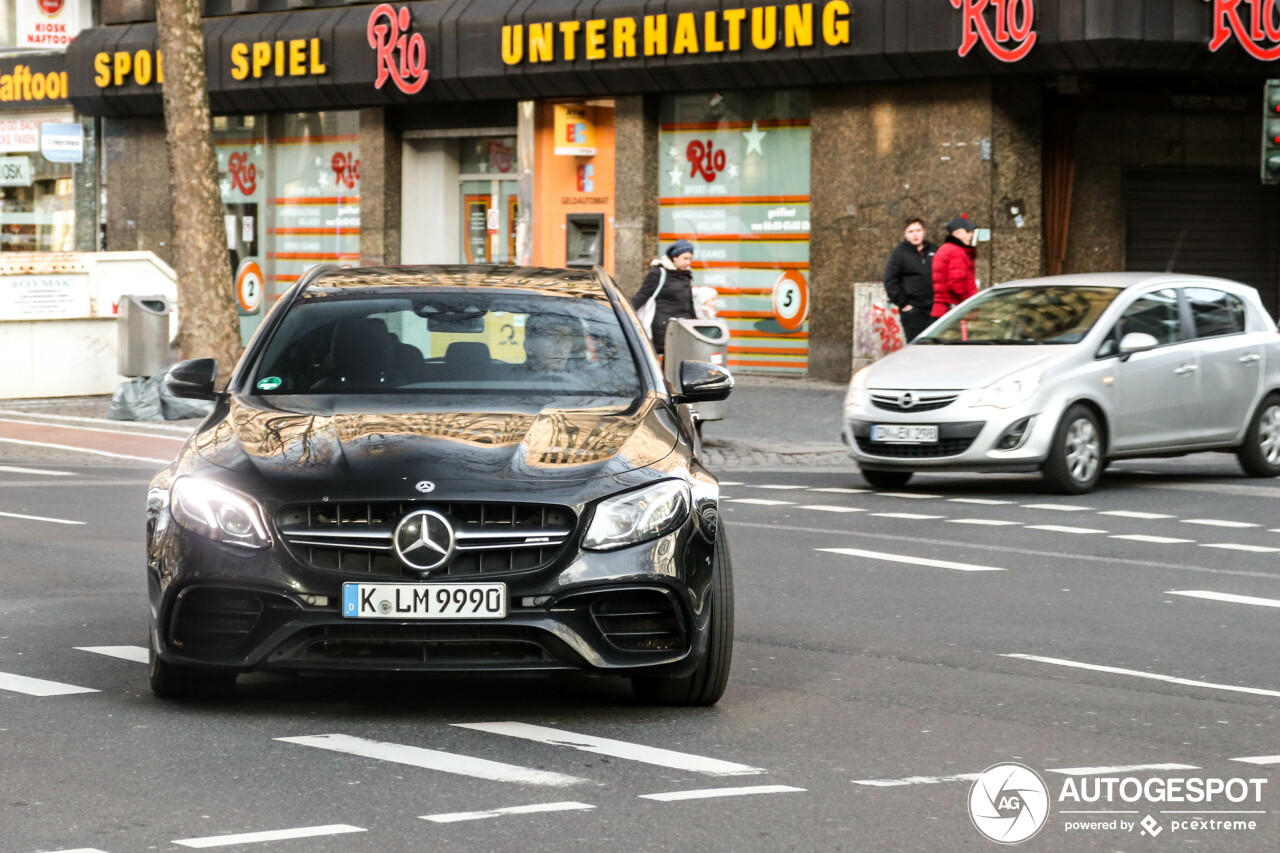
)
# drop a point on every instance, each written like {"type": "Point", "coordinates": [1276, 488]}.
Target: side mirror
{"type": "Point", "coordinates": [1137, 342]}
{"type": "Point", "coordinates": [701, 382]}
{"type": "Point", "coordinates": [193, 379]}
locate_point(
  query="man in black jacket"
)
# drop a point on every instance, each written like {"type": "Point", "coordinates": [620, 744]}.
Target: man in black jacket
{"type": "Point", "coordinates": [908, 278]}
{"type": "Point", "coordinates": [675, 299]}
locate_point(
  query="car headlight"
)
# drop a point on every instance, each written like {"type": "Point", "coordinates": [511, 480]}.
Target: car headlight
{"type": "Point", "coordinates": [1011, 391]}
{"type": "Point", "coordinates": [218, 513]}
{"type": "Point", "coordinates": [638, 516]}
{"type": "Point", "coordinates": [857, 395]}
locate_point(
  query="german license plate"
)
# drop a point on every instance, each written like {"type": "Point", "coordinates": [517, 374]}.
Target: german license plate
{"type": "Point", "coordinates": [904, 433]}
{"type": "Point", "coordinates": [424, 600]}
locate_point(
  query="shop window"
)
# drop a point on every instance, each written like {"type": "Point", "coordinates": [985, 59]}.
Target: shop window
{"type": "Point", "coordinates": [734, 179]}
{"type": "Point", "coordinates": [490, 199]}
{"type": "Point", "coordinates": [37, 197]}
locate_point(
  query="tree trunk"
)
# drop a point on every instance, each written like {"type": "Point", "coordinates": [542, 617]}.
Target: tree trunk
{"type": "Point", "coordinates": [209, 327]}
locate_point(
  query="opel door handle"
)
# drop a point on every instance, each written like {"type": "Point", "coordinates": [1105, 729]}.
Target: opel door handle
{"type": "Point", "coordinates": [1184, 370]}
{"type": "Point", "coordinates": [1250, 359]}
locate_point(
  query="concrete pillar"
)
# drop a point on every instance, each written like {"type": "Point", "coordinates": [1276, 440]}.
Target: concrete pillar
{"type": "Point", "coordinates": [379, 188]}
{"type": "Point", "coordinates": [139, 210]}
{"type": "Point", "coordinates": [635, 188]}
{"type": "Point", "coordinates": [85, 178]}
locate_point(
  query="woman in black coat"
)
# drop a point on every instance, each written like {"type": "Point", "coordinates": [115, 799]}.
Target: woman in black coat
{"type": "Point", "coordinates": [908, 279]}
{"type": "Point", "coordinates": [676, 297]}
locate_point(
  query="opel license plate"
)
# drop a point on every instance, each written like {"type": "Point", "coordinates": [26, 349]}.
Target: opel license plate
{"type": "Point", "coordinates": [904, 433]}
{"type": "Point", "coordinates": [424, 600]}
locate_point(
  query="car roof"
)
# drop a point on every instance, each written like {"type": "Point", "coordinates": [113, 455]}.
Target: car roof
{"type": "Point", "coordinates": [583, 284]}
{"type": "Point", "coordinates": [1123, 280]}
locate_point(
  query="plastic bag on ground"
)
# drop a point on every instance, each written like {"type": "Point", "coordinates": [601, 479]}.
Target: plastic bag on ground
{"type": "Point", "coordinates": [137, 399]}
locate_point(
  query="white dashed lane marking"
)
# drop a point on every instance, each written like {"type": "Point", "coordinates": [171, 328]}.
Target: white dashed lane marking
{"type": "Point", "coordinates": [908, 516]}
{"type": "Point", "coordinates": [781, 488]}
{"type": "Point", "coordinates": [709, 793]}
{"type": "Point", "coordinates": [1226, 597]}
{"type": "Point", "coordinates": [911, 561]}
{"type": "Point", "coordinates": [979, 501]}
{"type": "Point", "coordinates": [1230, 546]}
{"type": "Point", "coordinates": [909, 495]}
{"type": "Point", "coordinates": [839, 491]}
{"type": "Point", "coordinates": [1060, 528]}
{"type": "Point", "coordinates": [1058, 507]}
{"type": "Point", "coordinates": [12, 469]}
{"type": "Point", "coordinates": [760, 502]}
{"type": "Point", "coordinates": [615, 748]}
{"type": "Point", "coordinates": [1118, 768]}
{"type": "Point", "coordinates": [270, 835]}
{"type": "Point", "coordinates": [38, 686]}
{"type": "Point", "coordinates": [915, 780]}
{"type": "Point", "coordinates": [1126, 513]}
{"type": "Point", "coordinates": [985, 522]}
{"type": "Point", "coordinates": [827, 508]}
{"type": "Point", "coordinates": [137, 654]}
{"type": "Point", "coordinates": [1259, 759]}
{"type": "Point", "coordinates": [454, 817]}
{"type": "Point", "coordinates": [1168, 679]}
{"type": "Point", "coordinates": [1218, 522]}
{"type": "Point", "coordinates": [1156, 540]}
{"type": "Point", "coordinates": [40, 518]}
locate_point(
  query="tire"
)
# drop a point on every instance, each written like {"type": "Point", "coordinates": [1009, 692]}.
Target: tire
{"type": "Point", "coordinates": [886, 479]}
{"type": "Point", "coordinates": [1260, 454]}
{"type": "Point", "coordinates": [171, 681]}
{"type": "Point", "coordinates": [1075, 460]}
{"type": "Point", "coordinates": [706, 684]}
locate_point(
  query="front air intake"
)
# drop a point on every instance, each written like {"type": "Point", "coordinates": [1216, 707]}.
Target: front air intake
{"type": "Point", "coordinates": [638, 621]}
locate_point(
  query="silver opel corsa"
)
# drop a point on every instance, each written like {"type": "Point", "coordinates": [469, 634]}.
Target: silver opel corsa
{"type": "Point", "coordinates": [1062, 374]}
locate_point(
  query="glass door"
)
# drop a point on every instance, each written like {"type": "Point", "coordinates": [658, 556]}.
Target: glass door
{"type": "Point", "coordinates": [490, 197]}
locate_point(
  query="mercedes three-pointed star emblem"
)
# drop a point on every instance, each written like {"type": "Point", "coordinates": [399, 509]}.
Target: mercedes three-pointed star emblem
{"type": "Point", "coordinates": [424, 540]}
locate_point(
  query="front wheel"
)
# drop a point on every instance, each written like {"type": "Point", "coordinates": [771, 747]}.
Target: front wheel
{"type": "Point", "coordinates": [1075, 460]}
{"type": "Point", "coordinates": [1260, 454]}
{"type": "Point", "coordinates": [886, 479]}
{"type": "Point", "coordinates": [172, 681]}
{"type": "Point", "coordinates": [705, 685]}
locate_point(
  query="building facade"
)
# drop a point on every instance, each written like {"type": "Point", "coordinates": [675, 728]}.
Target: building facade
{"type": "Point", "coordinates": [788, 140]}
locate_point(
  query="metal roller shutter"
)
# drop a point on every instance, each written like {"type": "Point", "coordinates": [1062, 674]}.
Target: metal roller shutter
{"type": "Point", "coordinates": [1219, 222]}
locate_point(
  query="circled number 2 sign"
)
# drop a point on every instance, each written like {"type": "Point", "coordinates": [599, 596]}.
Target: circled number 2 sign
{"type": "Point", "coordinates": [791, 300]}
{"type": "Point", "coordinates": [249, 286]}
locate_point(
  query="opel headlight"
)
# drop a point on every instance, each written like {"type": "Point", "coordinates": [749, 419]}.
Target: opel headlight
{"type": "Point", "coordinates": [1011, 391]}
{"type": "Point", "coordinates": [218, 513]}
{"type": "Point", "coordinates": [857, 395]}
{"type": "Point", "coordinates": [638, 516]}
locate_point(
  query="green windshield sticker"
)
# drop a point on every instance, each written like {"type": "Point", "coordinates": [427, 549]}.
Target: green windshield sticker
{"type": "Point", "coordinates": [269, 383]}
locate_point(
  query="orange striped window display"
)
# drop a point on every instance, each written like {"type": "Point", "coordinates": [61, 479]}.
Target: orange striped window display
{"type": "Point", "coordinates": [734, 179]}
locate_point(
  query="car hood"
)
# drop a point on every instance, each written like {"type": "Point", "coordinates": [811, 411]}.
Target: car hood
{"type": "Point", "coordinates": [955, 367]}
{"type": "Point", "coordinates": [341, 441]}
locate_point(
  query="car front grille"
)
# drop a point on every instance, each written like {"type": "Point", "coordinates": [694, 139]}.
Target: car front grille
{"type": "Point", "coordinates": [953, 439]}
{"type": "Point", "coordinates": [923, 401]}
{"type": "Point", "coordinates": [492, 538]}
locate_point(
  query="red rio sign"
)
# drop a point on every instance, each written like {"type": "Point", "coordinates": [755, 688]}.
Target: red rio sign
{"type": "Point", "coordinates": [1260, 23]}
{"type": "Point", "coordinates": [244, 175]}
{"type": "Point", "coordinates": [1006, 33]}
{"type": "Point", "coordinates": [346, 169]}
{"type": "Point", "coordinates": [401, 55]}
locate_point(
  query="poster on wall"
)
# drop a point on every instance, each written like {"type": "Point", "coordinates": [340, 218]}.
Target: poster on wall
{"type": "Point", "coordinates": [49, 24]}
{"type": "Point", "coordinates": [477, 216]}
{"type": "Point", "coordinates": [44, 297]}
{"type": "Point", "coordinates": [734, 179]}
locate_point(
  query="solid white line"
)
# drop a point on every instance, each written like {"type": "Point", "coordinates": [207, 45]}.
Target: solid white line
{"type": "Point", "coordinates": [80, 850]}
{"type": "Point", "coordinates": [731, 483]}
{"type": "Point", "coordinates": [825, 508]}
{"type": "Point", "coordinates": [1059, 528]}
{"type": "Point", "coordinates": [1231, 546]}
{"type": "Point", "coordinates": [979, 501]}
{"type": "Point", "coordinates": [40, 518]}
{"type": "Point", "coordinates": [1224, 596]}
{"type": "Point", "coordinates": [1057, 507]}
{"type": "Point", "coordinates": [270, 835]}
{"type": "Point", "coordinates": [759, 502]}
{"type": "Point", "coordinates": [909, 516]}
{"type": "Point", "coordinates": [1158, 540]}
{"type": "Point", "coordinates": [454, 817]}
{"type": "Point", "coordinates": [1124, 513]}
{"type": "Point", "coordinates": [99, 429]}
{"type": "Point", "coordinates": [913, 561]}
{"type": "Point", "coordinates": [432, 759]}
{"type": "Point", "coordinates": [13, 469]}
{"type": "Point", "coordinates": [987, 522]}
{"type": "Point", "coordinates": [1119, 768]}
{"type": "Point", "coordinates": [78, 419]}
{"type": "Point", "coordinates": [835, 490]}
{"type": "Point", "coordinates": [83, 450]}
{"type": "Point", "coordinates": [708, 793]}
{"type": "Point", "coordinates": [614, 748]}
{"type": "Point", "coordinates": [916, 780]}
{"type": "Point", "coordinates": [786, 488]}
{"type": "Point", "coordinates": [1187, 682]}
{"type": "Point", "coordinates": [137, 654]}
{"type": "Point", "coordinates": [909, 495]}
{"type": "Point", "coordinates": [1259, 759]}
{"type": "Point", "coordinates": [1217, 522]}
{"type": "Point", "coordinates": [38, 686]}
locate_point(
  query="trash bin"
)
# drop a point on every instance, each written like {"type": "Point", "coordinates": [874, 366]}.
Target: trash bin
{"type": "Point", "coordinates": [142, 345]}
{"type": "Point", "coordinates": [697, 340]}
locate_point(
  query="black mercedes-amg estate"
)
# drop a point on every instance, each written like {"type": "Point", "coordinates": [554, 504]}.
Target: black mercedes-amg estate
{"type": "Point", "coordinates": [443, 470]}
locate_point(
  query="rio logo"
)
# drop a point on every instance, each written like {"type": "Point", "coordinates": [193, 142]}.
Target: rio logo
{"type": "Point", "coordinates": [1007, 33]}
{"type": "Point", "coordinates": [244, 175]}
{"type": "Point", "coordinates": [706, 161]}
{"type": "Point", "coordinates": [401, 55]}
{"type": "Point", "coordinates": [1260, 23]}
{"type": "Point", "coordinates": [346, 169]}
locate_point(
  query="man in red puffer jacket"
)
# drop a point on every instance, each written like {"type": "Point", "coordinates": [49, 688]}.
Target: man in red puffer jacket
{"type": "Point", "coordinates": [953, 276]}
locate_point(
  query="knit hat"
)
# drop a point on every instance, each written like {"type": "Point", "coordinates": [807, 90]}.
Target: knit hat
{"type": "Point", "coordinates": [960, 222]}
{"type": "Point", "coordinates": [679, 247]}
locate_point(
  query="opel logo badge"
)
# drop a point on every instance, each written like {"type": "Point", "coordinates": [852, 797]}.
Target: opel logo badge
{"type": "Point", "coordinates": [906, 400]}
{"type": "Point", "coordinates": [424, 540]}
{"type": "Point", "coordinates": [425, 486]}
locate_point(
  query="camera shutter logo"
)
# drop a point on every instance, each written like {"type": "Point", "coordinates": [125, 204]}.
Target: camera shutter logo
{"type": "Point", "coordinates": [1009, 803]}
{"type": "Point", "coordinates": [424, 540]}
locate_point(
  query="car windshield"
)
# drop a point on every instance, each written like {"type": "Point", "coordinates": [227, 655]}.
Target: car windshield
{"type": "Point", "coordinates": [1025, 315]}
{"type": "Point", "coordinates": [455, 342]}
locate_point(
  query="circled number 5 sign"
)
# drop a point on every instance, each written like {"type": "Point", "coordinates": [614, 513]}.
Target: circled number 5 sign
{"type": "Point", "coordinates": [791, 300]}
{"type": "Point", "coordinates": [249, 286]}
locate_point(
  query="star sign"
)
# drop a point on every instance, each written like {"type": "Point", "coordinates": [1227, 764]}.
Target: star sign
{"type": "Point", "coordinates": [674, 152]}
{"type": "Point", "coordinates": [674, 174]}
{"type": "Point", "coordinates": [754, 137]}
{"type": "Point", "coordinates": [733, 170]}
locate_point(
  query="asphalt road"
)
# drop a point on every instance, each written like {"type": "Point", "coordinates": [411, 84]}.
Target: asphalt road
{"type": "Point", "coordinates": [886, 644]}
